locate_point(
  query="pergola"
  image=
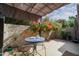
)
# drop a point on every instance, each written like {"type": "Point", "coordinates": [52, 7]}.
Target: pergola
{"type": "Point", "coordinates": [31, 11]}
{"type": "Point", "coordinates": [40, 9]}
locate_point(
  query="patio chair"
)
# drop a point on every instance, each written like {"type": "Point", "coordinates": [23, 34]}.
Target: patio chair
{"type": "Point", "coordinates": [47, 35]}
{"type": "Point", "coordinates": [19, 43]}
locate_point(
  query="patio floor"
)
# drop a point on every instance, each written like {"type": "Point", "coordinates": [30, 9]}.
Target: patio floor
{"type": "Point", "coordinates": [57, 47]}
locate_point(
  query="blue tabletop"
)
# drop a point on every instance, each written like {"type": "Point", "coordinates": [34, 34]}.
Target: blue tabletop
{"type": "Point", "coordinates": [34, 39]}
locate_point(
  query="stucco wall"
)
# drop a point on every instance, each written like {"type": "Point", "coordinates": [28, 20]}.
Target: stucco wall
{"type": "Point", "coordinates": [10, 31]}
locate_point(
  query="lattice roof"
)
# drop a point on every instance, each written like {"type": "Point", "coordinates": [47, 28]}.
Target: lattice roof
{"type": "Point", "coordinates": [40, 9]}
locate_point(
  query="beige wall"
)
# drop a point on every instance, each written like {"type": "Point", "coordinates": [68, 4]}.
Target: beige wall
{"type": "Point", "coordinates": [10, 30]}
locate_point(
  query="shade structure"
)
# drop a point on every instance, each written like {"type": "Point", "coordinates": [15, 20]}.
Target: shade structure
{"type": "Point", "coordinates": [40, 9]}
{"type": "Point", "coordinates": [28, 11]}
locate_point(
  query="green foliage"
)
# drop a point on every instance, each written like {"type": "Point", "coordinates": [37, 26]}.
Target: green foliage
{"type": "Point", "coordinates": [71, 21]}
{"type": "Point", "coordinates": [46, 19]}
{"type": "Point", "coordinates": [63, 23]}
{"type": "Point", "coordinates": [16, 21]}
{"type": "Point", "coordinates": [65, 35]}
{"type": "Point", "coordinates": [67, 23]}
{"type": "Point", "coordinates": [57, 26]}
{"type": "Point", "coordinates": [37, 27]}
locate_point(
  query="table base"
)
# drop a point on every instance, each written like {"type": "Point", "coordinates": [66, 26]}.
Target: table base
{"type": "Point", "coordinates": [35, 52]}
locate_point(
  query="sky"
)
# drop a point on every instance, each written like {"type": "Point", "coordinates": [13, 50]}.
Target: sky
{"type": "Point", "coordinates": [64, 12]}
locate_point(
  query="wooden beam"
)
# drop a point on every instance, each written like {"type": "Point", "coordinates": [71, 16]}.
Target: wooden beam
{"type": "Point", "coordinates": [56, 7]}
{"type": "Point", "coordinates": [32, 7]}
{"type": "Point", "coordinates": [48, 6]}
{"type": "Point", "coordinates": [41, 8]}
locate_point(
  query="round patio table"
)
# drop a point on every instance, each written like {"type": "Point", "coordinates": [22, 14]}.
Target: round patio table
{"type": "Point", "coordinates": [34, 41]}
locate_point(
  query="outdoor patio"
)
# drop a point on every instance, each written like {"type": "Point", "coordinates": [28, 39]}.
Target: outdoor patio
{"type": "Point", "coordinates": [27, 33]}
